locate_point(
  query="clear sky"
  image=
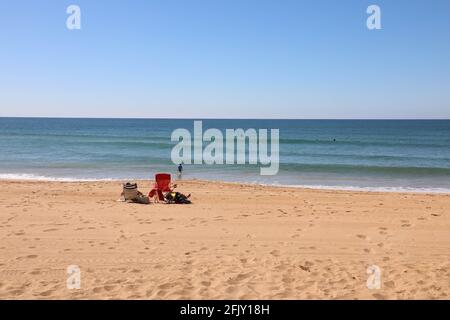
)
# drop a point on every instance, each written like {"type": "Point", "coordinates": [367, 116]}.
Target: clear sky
{"type": "Point", "coordinates": [225, 59]}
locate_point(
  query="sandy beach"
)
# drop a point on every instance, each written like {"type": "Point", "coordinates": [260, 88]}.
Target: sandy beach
{"type": "Point", "coordinates": [234, 242]}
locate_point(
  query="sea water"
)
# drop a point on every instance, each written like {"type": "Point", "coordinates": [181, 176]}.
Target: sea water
{"type": "Point", "coordinates": [384, 155]}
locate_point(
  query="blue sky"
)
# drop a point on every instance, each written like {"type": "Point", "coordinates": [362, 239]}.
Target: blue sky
{"type": "Point", "coordinates": [225, 59]}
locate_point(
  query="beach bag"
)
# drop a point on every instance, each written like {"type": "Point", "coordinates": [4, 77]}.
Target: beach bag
{"type": "Point", "coordinates": [131, 193]}
{"type": "Point", "coordinates": [177, 197]}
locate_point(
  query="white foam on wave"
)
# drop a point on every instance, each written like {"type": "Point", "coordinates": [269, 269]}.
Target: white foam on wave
{"type": "Point", "coordinates": [367, 189]}
{"type": "Point", "coordinates": [34, 177]}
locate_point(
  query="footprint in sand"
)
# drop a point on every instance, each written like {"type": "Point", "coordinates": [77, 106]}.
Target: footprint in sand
{"type": "Point", "coordinates": [275, 253]}
{"type": "Point", "coordinates": [305, 268]}
{"type": "Point", "coordinates": [135, 271]}
{"type": "Point", "coordinates": [109, 288]}
{"type": "Point", "coordinates": [379, 296]}
{"type": "Point", "coordinates": [16, 292]}
{"type": "Point", "coordinates": [405, 223]}
{"type": "Point", "coordinates": [97, 289]}
{"type": "Point", "coordinates": [362, 236]}
{"type": "Point", "coordinates": [206, 283]}
{"type": "Point", "coordinates": [46, 293]}
{"type": "Point", "coordinates": [166, 286]}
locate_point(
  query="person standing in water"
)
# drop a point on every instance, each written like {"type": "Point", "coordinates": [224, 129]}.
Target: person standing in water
{"type": "Point", "coordinates": [180, 170]}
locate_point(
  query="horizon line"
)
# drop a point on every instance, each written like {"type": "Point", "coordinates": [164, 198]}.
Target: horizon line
{"type": "Point", "coordinates": [211, 118]}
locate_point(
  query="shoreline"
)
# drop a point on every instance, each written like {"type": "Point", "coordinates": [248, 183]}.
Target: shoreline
{"type": "Point", "coordinates": [400, 190]}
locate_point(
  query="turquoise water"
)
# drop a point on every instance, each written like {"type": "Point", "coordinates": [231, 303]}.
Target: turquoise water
{"type": "Point", "coordinates": [344, 154]}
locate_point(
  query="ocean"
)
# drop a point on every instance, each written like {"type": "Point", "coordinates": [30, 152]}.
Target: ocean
{"type": "Point", "coordinates": [379, 155]}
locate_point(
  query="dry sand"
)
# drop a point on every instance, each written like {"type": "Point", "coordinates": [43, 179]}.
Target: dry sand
{"type": "Point", "coordinates": [234, 242]}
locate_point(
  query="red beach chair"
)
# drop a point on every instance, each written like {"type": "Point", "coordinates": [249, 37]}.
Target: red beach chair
{"type": "Point", "coordinates": [162, 184]}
